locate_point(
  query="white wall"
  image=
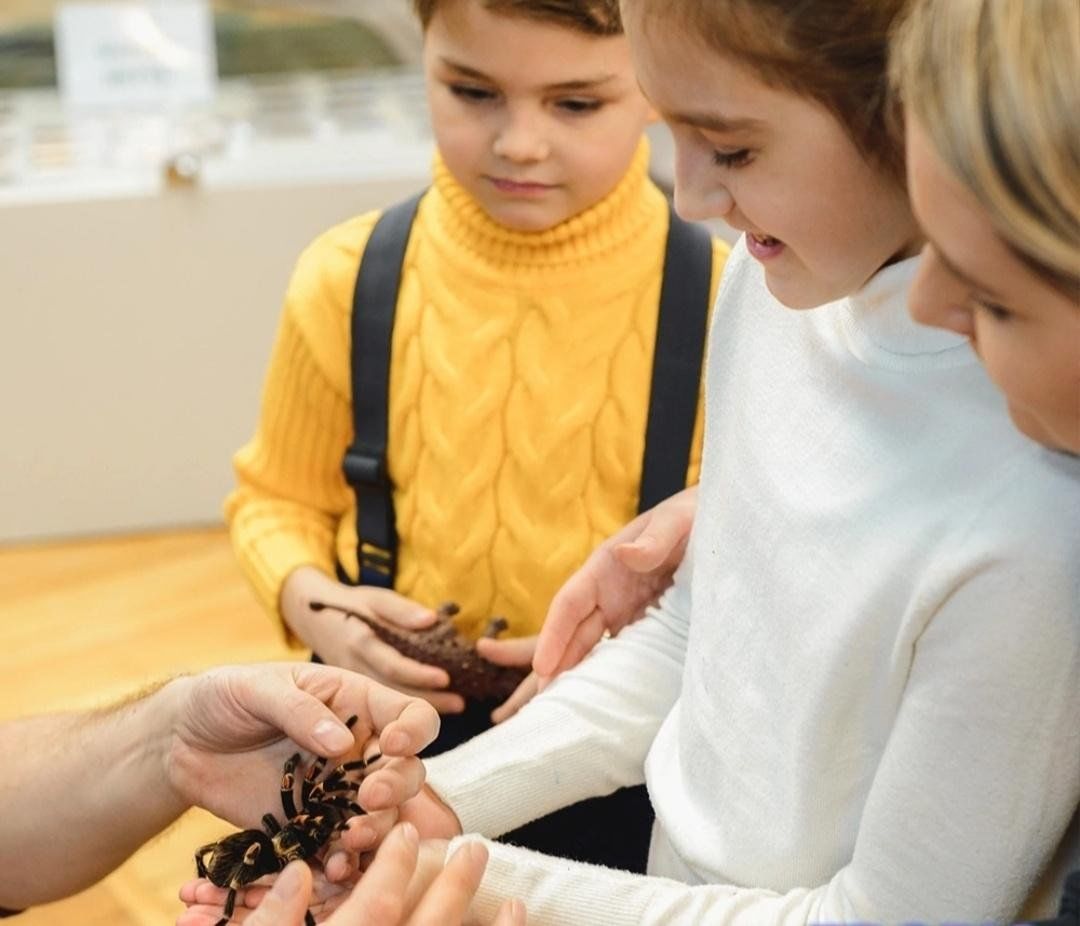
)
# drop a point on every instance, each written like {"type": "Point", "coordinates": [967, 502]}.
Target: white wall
{"type": "Point", "coordinates": [134, 333]}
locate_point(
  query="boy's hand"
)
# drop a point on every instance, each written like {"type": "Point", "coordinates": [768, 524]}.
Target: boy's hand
{"type": "Point", "coordinates": [512, 652]}
{"type": "Point", "coordinates": [350, 643]}
{"type": "Point", "coordinates": [624, 575]}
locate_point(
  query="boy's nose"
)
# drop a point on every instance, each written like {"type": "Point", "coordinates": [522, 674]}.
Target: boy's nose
{"type": "Point", "coordinates": [520, 140]}
{"type": "Point", "coordinates": [937, 299]}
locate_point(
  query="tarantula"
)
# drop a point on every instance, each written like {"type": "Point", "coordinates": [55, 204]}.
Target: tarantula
{"type": "Point", "coordinates": [326, 807]}
{"type": "Point", "coordinates": [442, 645]}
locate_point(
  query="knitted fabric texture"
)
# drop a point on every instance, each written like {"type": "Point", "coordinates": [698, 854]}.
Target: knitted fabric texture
{"type": "Point", "coordinates": [519, 387]}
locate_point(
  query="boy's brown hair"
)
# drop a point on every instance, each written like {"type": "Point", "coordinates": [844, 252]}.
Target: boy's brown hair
{"type": "Point", "coordinates": [593, 17]}
{"type": "Point", "coordinates": [832, 51]}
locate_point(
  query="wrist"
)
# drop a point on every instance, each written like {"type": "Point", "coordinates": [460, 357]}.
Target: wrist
{"type": "Point", "coordinates": [304, 585]}
{"type": "Point", "coordinates": [172, 699]}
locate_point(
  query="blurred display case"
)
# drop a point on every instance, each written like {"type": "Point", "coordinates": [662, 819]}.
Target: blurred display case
{"type": "Point", "coordinates": [143, 259]}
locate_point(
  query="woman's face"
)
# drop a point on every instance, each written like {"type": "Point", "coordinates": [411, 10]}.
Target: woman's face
{"type": "Point", "coordinates": [1025, 331]}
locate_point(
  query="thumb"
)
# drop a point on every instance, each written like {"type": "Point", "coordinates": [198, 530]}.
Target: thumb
{"type": "Point", "coordinates": [513, 652]}
{"type": "Point", "coordinates": [653, 548]}
{"type": "Point", "coordinates": [396, 609]}
{"type": "Point", "coordinates": [287, 902]}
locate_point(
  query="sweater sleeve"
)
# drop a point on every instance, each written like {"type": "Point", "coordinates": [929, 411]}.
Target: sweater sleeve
{"type": "Point", "coordinates": [586, 735]}
{"type": "Point", "coordinates": [979, 778]}
{"type": "Point", "coordinates": [290, 494]}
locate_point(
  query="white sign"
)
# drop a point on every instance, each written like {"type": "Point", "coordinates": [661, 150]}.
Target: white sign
{"type": "Point", "coordinates": [152, 53]}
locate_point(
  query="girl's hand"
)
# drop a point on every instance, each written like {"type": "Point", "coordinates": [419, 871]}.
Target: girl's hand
{"type": "Point", "coordinates": [407, 884]}
{"type": "Point", "coordinates": [624, 575]}
{"type": "Point", "coordinates": [512, 652]}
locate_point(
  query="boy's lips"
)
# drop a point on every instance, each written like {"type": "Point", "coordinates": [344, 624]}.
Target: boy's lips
{"type": "Point", "coordinates": [520, 187]}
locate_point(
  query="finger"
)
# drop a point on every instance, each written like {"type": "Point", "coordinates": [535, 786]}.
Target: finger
{"type": "Point", "coordinates": [364, 834]}
{"type": "Point", "coordinates": [396, 669]}
{"type": "Point", "coordinates": [396, 609]}
{"type": "Point", "coordinates": [522, 695]}
{"type": "Point", "coordinates": [287, 901]}
{"type": "Point", "coordinates": [281, 701]}
{"type": "Point", "coordinates": [379, 898]}
{"type": "Point", "coordinates": [585, 638]}
{"type": "Point", "coordinates": [513, 652]}
{"type": "Point", "coordinates": [392, 784]}
{"type": "Point", "coordinates": [573, 602]}
{"type": "Point", "coordinates": [511, 913]}
{"type": "Point", "coordinates": [450, 894]}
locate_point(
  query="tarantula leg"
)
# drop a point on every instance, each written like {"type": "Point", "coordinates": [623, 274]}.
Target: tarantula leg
{"type": "Point", "coordinates": [200, 865]}
{"type": "Point", "coordinates": [308, 782]}
{"type": "Point", "coordinates": [288, 782]}
{"type": "Point", "coordinates": [358, 764]}
{"type": "Point", "coordinates": [344, 803]}
{"type": "Point", "coordinates": [230, 905]}
{"type": "Point", "coordinates": [270, 824]}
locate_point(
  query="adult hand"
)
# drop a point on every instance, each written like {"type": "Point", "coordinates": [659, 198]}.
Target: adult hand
{"type": "Point", "coordinates": [511, 652]}
{"type": "Point", "coordinates": [406, 885]}
{"type": "Point", "coordinates": [352, 644]}
{"type": "Point", "coordinates": [624, 575]}
{"type": "Point", "coordinates": [235, 727]}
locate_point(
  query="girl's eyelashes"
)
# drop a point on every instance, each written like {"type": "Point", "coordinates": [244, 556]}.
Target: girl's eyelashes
{"type": "Point", "coordinates": [737, 158]}
{"type": "Point", "coordinates": [993, 309]}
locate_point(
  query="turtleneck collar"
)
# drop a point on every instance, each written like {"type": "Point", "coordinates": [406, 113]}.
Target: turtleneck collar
{"type": "Point", "coordinates": [605, 228]}
{"type": "Point", "coordinates": [881, 332]}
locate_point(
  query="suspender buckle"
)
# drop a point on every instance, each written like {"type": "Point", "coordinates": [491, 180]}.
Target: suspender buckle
{"type": "Point", "coordinates": [364, 468]}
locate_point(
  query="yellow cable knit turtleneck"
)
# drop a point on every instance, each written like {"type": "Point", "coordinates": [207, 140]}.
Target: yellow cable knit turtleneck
{"type": "Point", "coordinates": [519, 388]}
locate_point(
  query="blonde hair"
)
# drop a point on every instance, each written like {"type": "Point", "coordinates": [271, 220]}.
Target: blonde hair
{"type": "Point", "coordinates": [832, 51]}
{"type": "Point", "coordinates": [996, 86]}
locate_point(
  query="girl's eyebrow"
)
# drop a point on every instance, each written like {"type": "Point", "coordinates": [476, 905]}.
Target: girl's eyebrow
{"type": "Point", "coordinates": [713, 122]}
{"type": "Point", "coordinates": [588, 83]}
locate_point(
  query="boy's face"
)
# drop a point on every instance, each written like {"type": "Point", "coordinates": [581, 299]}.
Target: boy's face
{"type": "Point", "coordinates": [818, 216]}
{"type": "Point", "coordinates": [536, 120]}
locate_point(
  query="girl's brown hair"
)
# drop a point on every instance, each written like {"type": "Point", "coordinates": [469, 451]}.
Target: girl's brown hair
{"type": "Point", "coordinates": [996, 87]}
{"type": "Point", "coordinates": [593, 17]}
{"type": "Point", "coordinates": [832, 51]}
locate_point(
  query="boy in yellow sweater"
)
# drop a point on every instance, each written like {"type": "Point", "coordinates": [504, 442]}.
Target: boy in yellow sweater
{"type": "Point", "coordinates": [520, 364]}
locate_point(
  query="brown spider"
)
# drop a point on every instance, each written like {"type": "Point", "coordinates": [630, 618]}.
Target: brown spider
{"type": "Point", "coordinates": [326, 807]}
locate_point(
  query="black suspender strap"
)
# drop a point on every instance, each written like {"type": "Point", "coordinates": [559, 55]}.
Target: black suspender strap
{"type": "Point", "coordinates": [374, 305]}
{"type": "Point", "coordinates": [677, 361]}
{"type": "Point", "coordinates": [673, 397]}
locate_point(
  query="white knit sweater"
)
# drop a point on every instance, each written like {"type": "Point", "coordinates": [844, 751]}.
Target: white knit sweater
{"type": "Point", "coordinates": [860, 700]}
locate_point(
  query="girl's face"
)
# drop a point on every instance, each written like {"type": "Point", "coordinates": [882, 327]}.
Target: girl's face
{"type": "Point", "coordinates": [1024, 330]}
{"type": "Point", "coordinates": [817, 214]}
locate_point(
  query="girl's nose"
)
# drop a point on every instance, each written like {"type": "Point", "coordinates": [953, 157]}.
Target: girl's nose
{"type": "Point", "coordinates": [699, 194]}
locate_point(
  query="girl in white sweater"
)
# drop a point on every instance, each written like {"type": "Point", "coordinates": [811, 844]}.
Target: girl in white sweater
{"type": "Point", "coordinates": [858, 700]}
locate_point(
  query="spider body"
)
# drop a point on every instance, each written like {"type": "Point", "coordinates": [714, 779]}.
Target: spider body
{"type": "Point", "coordinates": [326, 807]}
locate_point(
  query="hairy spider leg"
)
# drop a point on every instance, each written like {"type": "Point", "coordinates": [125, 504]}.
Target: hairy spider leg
{"type": "Point", "coordinates": [288, 783]}
{"type": "Point", "coordinates": [270, 824]}
{"type": "Point", "coordinates": [238, 880]}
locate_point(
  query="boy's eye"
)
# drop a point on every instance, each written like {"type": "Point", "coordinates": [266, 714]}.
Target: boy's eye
{"type": "Point", "coordinates": [577, 105]}
{"type": "Point", "coordinates": [737, 158]}
{"type": "Point", "coordinates": [471, 93]}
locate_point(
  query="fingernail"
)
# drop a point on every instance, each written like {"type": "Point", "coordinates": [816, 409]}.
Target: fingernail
{"type": "Point", "coordinates": [409, 834]}
{"type": "Point", "coordinates": [333, 737]}
{"type": "Point", "coordinates": [289, 883]}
